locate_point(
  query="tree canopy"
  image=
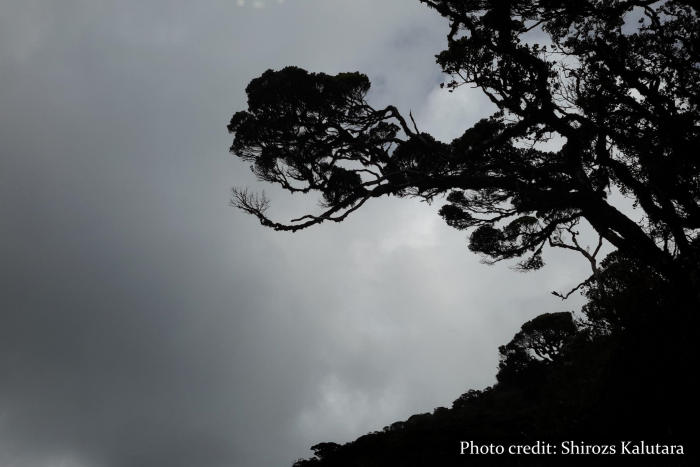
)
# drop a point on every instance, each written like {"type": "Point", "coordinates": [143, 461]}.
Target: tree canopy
{"type": "Point", "coordinates": [542, 339]}
{"type": "Point", "coordinates": [615, 82]}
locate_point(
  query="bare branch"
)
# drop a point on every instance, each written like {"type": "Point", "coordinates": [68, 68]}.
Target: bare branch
{"type": "Point", "coordinates": [570, 292]}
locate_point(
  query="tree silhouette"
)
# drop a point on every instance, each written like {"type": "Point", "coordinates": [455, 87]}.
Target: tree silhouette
{"type": "Point", "coordinates": [595, 99]}
{"type": "Point", "coordinates": [616, 82]}
{"type": "Point", "coordinates": [540, 341]}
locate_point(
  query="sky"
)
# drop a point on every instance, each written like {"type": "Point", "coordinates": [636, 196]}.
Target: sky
{"type": "Point", "coordinates": [145, 322]}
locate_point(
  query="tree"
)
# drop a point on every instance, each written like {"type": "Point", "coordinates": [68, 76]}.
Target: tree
{"type": "Point", "coordinates": [626, 296]}
{"type": "Point", "coordinates": [616, 81]}
{"type": "Point", "coordinates": [324, 450]}
{"type": "Point", "coordinates": [540, 340]}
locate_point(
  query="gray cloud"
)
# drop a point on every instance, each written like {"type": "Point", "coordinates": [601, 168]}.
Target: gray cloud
{"type": "Point", "coordinates": [147, 323]}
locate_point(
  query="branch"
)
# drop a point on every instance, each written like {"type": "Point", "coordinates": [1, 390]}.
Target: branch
{"type": "Point", "coordinates": [415, 127]}
{"type": "Point", "coordinates": [568, 294]}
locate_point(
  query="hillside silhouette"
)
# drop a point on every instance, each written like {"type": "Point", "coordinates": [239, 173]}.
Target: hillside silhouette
{"type": "Point", "coordinates": [612, 376]}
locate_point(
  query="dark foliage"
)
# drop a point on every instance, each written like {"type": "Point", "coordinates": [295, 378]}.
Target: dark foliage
{"type": "Point", "coordinates": [592, 383]}
{"type": "Point", "coordinates": [622, 98]}
{"type": "Point", "coordinates": [594, 98]}
{"type": "Point", "coordinates": [541, 341]}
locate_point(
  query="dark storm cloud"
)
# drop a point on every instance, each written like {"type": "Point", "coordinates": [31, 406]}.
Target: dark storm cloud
{"type": "Point", "coordinates": [146, 323]}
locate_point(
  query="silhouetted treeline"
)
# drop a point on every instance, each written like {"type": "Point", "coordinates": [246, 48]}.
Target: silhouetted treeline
{"type": "Point", "coordinates": [615, 374]}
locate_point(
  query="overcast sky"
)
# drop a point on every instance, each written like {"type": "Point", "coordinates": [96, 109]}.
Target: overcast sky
{"type": "Point", "coordinates": [147, 323]}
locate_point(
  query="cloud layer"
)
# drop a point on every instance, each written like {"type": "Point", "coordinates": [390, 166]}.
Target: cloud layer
{"type": "Point", "coordinates": [147, 323]}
